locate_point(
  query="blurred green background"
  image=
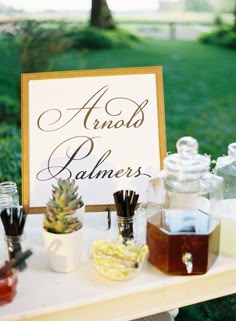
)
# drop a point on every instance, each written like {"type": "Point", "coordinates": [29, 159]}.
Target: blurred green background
{"type": "Point", "coordinates": [196, 47]}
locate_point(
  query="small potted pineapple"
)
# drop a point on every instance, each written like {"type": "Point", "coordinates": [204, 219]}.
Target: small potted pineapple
{"type": "Point", "coordinates": [63, 226]}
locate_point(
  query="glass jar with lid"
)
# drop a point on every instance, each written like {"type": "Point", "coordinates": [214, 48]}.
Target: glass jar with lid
{"type": "Point", "coordinates": [183, 237]}
{"type": "Point", "coordinates": [186, 181]}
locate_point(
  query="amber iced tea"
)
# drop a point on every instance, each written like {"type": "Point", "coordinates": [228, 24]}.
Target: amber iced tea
{"type": "Point", "coordinates": [174, 235]}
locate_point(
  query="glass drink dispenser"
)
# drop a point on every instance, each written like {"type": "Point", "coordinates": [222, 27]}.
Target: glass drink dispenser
{"type": "Point", "coordinates": [226, 168]}
{"type": "Point", "coordinates": [183, 236]}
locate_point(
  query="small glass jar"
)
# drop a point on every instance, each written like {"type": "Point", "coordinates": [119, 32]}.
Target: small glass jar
{"type": "Point", "coordinates": [14, 245]}
{"type": "Point", "coordinates": [13, 220]}
{"type": "Point", "coordinates": [10, 188]}
{"type": "Point", "coordinates": [126, 227]}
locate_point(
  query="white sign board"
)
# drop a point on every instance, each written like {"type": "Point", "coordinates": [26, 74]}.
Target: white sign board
{"type": "Point", "coordinates": [104, 128]}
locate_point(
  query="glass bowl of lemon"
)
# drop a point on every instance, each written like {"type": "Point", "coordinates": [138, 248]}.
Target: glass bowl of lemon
{"type": "Point", "coordinates": [118, 260]}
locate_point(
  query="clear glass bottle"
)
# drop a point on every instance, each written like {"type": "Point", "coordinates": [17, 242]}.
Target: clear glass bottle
{"type": "Point", "coordinates": [10, 188]}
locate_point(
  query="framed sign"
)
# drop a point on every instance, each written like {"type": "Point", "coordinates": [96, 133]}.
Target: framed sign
{"type": "Point", "coordinates": [105, 128]}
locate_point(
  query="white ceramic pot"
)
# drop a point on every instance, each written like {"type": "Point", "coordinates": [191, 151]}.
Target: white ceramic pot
{"type": "Point", "coordinates": [64, 250]}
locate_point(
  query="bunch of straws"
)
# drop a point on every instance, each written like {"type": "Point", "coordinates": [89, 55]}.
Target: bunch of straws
{"type": "Point", "coordinates": [126, 202]}
{"type": "Point", "coordinates": [13, 219]}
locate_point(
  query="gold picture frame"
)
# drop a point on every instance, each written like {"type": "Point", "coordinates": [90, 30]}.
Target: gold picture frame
{"type": "Point", "coordinates": [80, 115]}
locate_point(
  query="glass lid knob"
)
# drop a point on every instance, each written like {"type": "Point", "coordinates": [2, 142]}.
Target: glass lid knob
{"type": "Point", "coordinates": [187, 147]}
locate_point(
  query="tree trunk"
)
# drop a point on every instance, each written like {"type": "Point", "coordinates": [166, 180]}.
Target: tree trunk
{"type": "Point", "coordinates": [101, 16]}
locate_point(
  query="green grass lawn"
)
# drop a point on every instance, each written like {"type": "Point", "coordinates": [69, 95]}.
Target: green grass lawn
{"type": "Point", "coordinates": [200, 100]}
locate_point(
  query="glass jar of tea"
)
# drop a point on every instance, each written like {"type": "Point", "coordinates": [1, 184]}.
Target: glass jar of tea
{"type": "Point", "coordinates": [185, 227]}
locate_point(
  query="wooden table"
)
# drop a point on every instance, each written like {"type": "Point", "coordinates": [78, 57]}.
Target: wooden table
{"type": "Point", "coordinates": [43, 295]}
